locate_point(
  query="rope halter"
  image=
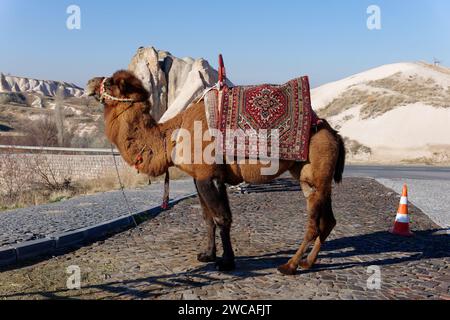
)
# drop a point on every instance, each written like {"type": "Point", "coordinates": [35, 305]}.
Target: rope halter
{"type": "Point", "coordinates": [106, 96]}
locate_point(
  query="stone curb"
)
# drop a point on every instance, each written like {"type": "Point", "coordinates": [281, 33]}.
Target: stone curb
{"type": "Point", "coordinates": [63, 242]}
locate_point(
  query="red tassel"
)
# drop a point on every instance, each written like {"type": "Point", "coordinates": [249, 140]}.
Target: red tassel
{"type": "Point", "coordinates": [165, 204]}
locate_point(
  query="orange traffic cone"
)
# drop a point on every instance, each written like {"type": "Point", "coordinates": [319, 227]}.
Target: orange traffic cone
{"type": "Point", "coordinates": [401, 225]}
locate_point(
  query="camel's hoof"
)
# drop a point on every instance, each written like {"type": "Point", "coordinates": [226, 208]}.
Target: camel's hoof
{"type": "Point", "coordinates": [287, 269]}
{"type": "Point", "coordinates": [206, 257]}
{"type": "Point", "coordinates": [305, 265]}
{"type": "Point", "coordinates": [225, 265]}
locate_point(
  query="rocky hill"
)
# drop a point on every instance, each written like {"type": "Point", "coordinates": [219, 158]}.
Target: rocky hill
{"type": "Point", "coordinates": [398, 113]}
{"type": "Point", "coordinates": [27, 113]}
{"type": "Point", "coordinates": [45, 88]}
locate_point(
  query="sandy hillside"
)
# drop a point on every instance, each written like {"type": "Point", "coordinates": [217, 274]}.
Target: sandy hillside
{"type": "Point", "coordinates": [398, 113]}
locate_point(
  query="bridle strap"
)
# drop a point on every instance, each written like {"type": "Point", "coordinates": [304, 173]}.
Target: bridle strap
{"type": "Point", "coordinates": [106, 96]}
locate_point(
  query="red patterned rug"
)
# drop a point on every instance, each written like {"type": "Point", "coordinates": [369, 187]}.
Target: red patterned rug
{"type": "Point", "coordinates": [285, 108]}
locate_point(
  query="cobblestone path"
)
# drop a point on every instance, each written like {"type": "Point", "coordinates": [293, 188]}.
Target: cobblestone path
{"type": "Point", "coordinates": [157, 260]}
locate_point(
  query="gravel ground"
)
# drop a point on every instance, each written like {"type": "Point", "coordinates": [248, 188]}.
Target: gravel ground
{"type": "Point", "coordinates": [84, 211]}
{"type": "Point", "coordinates": [431, 196]}
{"type": "Point", "coordinates": [157, 260]}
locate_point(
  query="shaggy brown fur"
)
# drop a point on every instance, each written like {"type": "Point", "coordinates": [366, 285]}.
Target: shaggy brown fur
{"type": "Point", "coordinates": [130, 127]}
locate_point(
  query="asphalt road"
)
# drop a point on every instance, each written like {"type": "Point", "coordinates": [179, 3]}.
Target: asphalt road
{"type": "Point", "coordinates": [429, 187]}
{"type": "Point", "coordinates": [399, 172]}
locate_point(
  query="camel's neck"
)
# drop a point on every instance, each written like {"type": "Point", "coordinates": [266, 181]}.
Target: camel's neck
{"type": "Point", "coordinates": [140, 140]}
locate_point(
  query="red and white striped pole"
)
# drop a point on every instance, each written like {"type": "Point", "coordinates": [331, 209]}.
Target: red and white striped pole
{"type": "Point", "coordinates": [222, 73]}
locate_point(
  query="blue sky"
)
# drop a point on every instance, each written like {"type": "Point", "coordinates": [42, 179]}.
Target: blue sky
{"type": "Point", "coordinates": [262, 41]}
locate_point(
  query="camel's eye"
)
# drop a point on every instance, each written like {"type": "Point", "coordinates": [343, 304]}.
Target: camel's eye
{"type": "Point", "coordinates": [109, 83]}
{"type": "Point", "coordinates": [123, 86]}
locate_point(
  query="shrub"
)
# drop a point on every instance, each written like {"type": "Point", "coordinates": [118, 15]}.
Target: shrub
{"type": "Point", "coordinates": [12, 97]}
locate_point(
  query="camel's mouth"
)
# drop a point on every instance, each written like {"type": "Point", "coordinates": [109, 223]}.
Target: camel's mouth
{"type": "Point", "coordinates": [92, 87]}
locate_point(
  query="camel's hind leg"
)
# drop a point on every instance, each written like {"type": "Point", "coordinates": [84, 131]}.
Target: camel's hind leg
{"type": "Point", "coordinates": [327, 222]}
{"type": "Point", "coordinates": [316, 179]}
{"type": "Point", "coordinates": [317, 206]}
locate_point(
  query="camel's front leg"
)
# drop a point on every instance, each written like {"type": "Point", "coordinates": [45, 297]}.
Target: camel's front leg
{"type": "Point", "coordinates": [209, 254]}
{"type": "Point", "coordinates": [216, 200]}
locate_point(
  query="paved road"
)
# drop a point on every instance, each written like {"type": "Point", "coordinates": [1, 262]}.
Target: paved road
{"type": "Point", "coordinates": [399, 172]}
{"type": "Point", "coordinates": [429, 187]}
{"type": "Point", "coordinates": [51, 219]}
{"type": "Point", "coordinates": [157, 260]}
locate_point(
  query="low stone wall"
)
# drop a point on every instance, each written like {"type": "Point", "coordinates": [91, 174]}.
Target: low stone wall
{"type": "Point", "coordinates": [79, 165]}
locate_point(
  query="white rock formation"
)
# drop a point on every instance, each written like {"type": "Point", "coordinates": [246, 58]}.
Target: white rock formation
{"type": "Point", "coordinates": [37, 102]}
{"type": "Point", "coordinates": [42, 87]}
{"type": "Point", "coordinates": [173, 83]}
{"type": "Point", "coordinates": [4, 85]}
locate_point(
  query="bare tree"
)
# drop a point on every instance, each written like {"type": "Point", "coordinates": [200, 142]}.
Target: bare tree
{"type": "Point", "coordinates": [42, 133]}
{"type": "Point", "coordinates": [59, 115]}
{"type": "Point", "coordinates": [23, 176]}
{"type": "Point", "coordinates": [15, 177]}
{"type": "Point", "coordinates": [47, 176]}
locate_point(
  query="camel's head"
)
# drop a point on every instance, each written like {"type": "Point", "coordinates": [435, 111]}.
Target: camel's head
{"type": "Point", "coordinates": [123, 86]}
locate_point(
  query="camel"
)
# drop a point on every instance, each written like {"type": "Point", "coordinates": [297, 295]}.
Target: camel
{"type": "Point", "coordinates": [148, 145]}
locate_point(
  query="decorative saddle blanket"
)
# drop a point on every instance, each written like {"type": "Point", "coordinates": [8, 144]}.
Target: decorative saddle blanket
{"type": "Point", "coordinates": [263, 110]}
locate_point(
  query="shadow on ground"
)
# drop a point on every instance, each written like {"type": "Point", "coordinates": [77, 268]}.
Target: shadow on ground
{"type": "Point", "coordinates": [430, 244]}
{"type": "Point", "coordinates": [426, 245]}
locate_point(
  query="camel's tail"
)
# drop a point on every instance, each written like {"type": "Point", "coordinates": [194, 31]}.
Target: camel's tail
{"type": "Point", "coordinates": [340, 164]}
